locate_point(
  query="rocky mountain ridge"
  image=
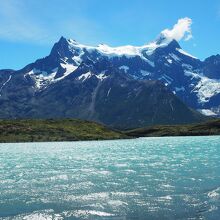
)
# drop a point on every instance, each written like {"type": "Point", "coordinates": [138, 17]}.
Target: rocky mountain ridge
{"type": "Point", "coordinates": [158, 83]}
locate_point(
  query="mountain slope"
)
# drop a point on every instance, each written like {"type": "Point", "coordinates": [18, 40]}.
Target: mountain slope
{"type": "Point", "coordinates": [195, 82]}
{"type": "Point", "coordinates": [123, 87]}
{"type": "Point", "coordinates": [111, 97]}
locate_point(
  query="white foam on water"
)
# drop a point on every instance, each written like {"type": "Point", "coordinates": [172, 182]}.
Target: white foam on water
{"type": "Point", "coordinates": [98, 179]}
{"type": "Point", "coordinates": [214, 194]}
{"type": "Point", "coordinates": [86, 213]}
{"type": "Point", "coordinates": [39, 215]}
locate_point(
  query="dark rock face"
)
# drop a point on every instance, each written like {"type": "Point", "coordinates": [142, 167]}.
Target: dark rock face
{"type": "Point", "coordinates": [211, 67]}
{"type": "Point", "coordinates": [154, 85]}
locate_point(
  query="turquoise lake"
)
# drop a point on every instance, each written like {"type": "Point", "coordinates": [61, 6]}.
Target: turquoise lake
{"type": "Point", "coordinates": [145, 178]}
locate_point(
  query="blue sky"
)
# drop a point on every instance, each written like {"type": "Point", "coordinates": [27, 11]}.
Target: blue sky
{"type": "Point", "coordinates": [29, 28]}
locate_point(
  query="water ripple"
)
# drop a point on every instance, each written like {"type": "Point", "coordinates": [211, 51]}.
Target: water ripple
{"type": "Point", "coordinates": [146, 178]}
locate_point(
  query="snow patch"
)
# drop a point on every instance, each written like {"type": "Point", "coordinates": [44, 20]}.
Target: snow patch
{"type": "Point", "coordinates": [69, 69]}
{"type": "Point", "coordinates": [207, 112]}
{"type": "Point", "coordinates": [123, 50]}
{"type": "Point", "coordinates": [191, 74]}
{"type": "Point", "coordinates": [110, 52]}
{"type": "Point", "coordinates": [42, 78]}
{"type": "Point", "coordinates": [207, 88]}
{"type": "Point", "coordinates": [187, 66]}
{"type": "Point", "coordinates": [166, 78]}
{"type": "Point", "coordinates": [9, 78]}
{"type": "Point", "coordinates": [175, 57]}
{"type": "Point", "coordinates": [109, 92]}
{"type": "Point", "coordinates": [145, 73]}
{"type": "Point", "coordinates": [185, 53]}
{"type": "Point", "coordinates": [101, 76]}
{"type": "Point", "coordinates": [169, 61]}
{"type": "Point", "coordinates": [150, 62]}
{"type": "Point", "coordinates": [178, 89]}
{"type": "Point", "coordinates": [125, 68]}
{"type": "Point", "coordinates": [85, 76]}
{"type": "Point", "coordinates": [77, 59]}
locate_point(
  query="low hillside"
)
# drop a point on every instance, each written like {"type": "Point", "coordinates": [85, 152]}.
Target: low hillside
{"type": "Point", "coordinates": [206, 128]}
{"type": "Point", "coordinates": [54, 130]}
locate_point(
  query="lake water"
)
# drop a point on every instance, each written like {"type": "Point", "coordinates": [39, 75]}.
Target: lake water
{"type": "Point", "coordinates": [146, 178]}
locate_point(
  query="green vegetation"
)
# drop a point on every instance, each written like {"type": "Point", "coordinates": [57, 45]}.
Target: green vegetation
{"type": "Point", "coordinates": [36, 130]}
{"type": "Point", "coordinates": [206, 128]}
{"type": "Point", "coordinates": [54, 130]}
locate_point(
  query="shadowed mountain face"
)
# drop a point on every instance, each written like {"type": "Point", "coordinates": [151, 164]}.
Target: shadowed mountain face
{"type": "Point", "coordinates": [124, 87]}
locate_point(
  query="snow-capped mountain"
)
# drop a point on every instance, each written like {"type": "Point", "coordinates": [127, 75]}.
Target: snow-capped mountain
{"type": "Point", "coordinates": [195, 82]}
{"type": "Point", "coordinates": [76, 80]}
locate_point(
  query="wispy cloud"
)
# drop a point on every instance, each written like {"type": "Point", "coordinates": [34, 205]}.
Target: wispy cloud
{"type": "Point", "coordinates": [19, 22]}
{"type": "Point", "coordinates": [16, 24]}
{"type": "Point", "coordinates": [181, 30]}
{"type": "Point", "coordinates": [29, 21]}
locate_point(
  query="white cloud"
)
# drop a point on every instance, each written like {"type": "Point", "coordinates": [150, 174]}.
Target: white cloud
{"type": "Point", "coordinates": [19, 23]}
{"type": "Point", "coordinates": [180, 31]}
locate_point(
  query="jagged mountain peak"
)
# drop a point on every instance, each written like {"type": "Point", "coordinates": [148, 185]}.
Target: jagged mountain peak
{"type": "Point", "coordinates": [138, 61]}
{"type": "Point", "coordinates": [77, 79]}
{"type": "Point", "coordinates": [62, 39]}
{"type": "Point", "coordinates": [163, 60]}
{"type": "Point", "coordinates": [65, 41]}
{"type": "Point", "coordinates": [213, 58]}
{"type": "Point", "coordinates": [67, 47]}
{"type": "Point", "coordinates": [60, 48]}
{"type": "Point", "coordinates": [162, 40]}
{"type": "Point", "coordinates": [174, 44]}
{"type": "Point", "coordinates": [68, 51]}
